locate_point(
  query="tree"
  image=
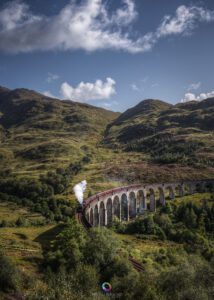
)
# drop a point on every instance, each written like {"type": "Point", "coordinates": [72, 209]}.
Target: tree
{"type": "Point", "coordinates": [166, 208]}
{"type": "Point", "coordinates": [78, 284]}
{"type": "Point", "coordinates": [9, 275]}
{"type": "Point", "coordinates": [68, 247]}
{"type": "Point", "coordinates": [22, 222]}
{"type": "Point", "coordinates": [101, 247]}
{"type": "Point", "coordinates": [190, 218]}
{"type": "Point", "coordinates": [150, 225]}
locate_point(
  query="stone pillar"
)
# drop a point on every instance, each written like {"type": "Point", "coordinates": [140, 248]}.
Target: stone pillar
{"type": "Point", "coordinates": [152, 202]}
{"type": "Point", "coordinates": [127, 210]}
{"type": "Point", "coordinates": [105, 212]}
{"type": "Point", "coordinates": [120, 211]}
{"type": "Point", "coordinates": [162, 198]}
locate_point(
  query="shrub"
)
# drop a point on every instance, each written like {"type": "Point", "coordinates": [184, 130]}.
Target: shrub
{"type": "Point", "coordinates": [9, 275]}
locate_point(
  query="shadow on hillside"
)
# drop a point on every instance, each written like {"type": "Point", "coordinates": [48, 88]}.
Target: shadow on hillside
{"type": "Point", "coordinates": [21, 235]}
{"type": "Point", "coordinates": [48, 236]}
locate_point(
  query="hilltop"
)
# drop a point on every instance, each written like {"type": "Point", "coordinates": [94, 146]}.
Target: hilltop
{"type": "Point", "coordinates": [181, 133]}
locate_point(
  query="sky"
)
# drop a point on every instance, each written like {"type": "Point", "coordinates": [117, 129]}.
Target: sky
{"type": "Point", "coordinates": [108, 53]}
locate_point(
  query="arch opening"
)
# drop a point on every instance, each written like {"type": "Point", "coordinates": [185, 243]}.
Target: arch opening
{"type": "Point", "coordinates": [209, 187]}
{"type": "Point", "coordinates": [91, 217]}
{"type": "Point", "coordinates": [132, 205]}
{"type": "Point", "coordinates": [141, 202]}
{"type": "Point", "coordinates": [109, 211]}
{"type": "Point", "coordinates": [96, 216]}
{"type": "Point", "coordinates": [124, 208]}
{"type": "Point", "coordinates": [179, 191]}
{"type": "Point", "coordinates": [116, 207]}
{"type": "Point", "coordinates": [161, 196]}
{"type": "Point", "coordinates": [102, 214]}
{"type": "Point", "coordinates": [169, 193]}
{"type": "Point", "coordinates": [151, 200]}
{"type": "Point", "coordinates": [199, 188]}
{"type": "Point", "coordinates": [88, 217]}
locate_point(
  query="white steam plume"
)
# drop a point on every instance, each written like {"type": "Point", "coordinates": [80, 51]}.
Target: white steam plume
{"type": "Point", "coordinates": [79, 190]}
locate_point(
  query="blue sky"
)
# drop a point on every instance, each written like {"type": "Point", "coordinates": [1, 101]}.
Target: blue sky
{"type": "Point", "coordinates": [109, 53]}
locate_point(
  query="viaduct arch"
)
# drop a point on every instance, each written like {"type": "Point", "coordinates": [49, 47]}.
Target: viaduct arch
{"type": "Point", "coordinates": [129, 201]}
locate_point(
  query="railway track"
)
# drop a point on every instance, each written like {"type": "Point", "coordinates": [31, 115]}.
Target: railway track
{"type": "Point", "coordinates": [136, 264]}
{"type": "Point", "coordinates": [80, 217]}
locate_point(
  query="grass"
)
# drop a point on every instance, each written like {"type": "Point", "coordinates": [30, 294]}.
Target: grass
{"type": "Point", "coordinates": [11, 212]}
{"type": "Point", "coordinates": [25, 245]}
{"type": "Point", "coordinates": [138, 248]}
{"type": "Point", "coordinates": [197, 198]}
{"type": "Point", "coordinates": [32, 237]}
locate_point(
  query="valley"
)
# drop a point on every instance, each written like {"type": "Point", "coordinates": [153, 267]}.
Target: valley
{"type": "Point", "coordinates": [49, 145]}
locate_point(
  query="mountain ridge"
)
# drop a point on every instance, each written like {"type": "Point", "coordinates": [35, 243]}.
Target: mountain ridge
{"type": "Point", "coordinates": [39, 134]}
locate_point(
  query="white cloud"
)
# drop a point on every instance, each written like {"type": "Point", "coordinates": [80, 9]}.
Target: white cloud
{"type": "Point", "coordinates": [184, 21]}
{"type": "Point", "coordinates": [16, 14]}
{"type": "Point", "coordinates": [190, 96]}
{"type": "Point", "coordinates": [134, 87]}
{"type": "Point", "coordinates": [52, 77]}
{"type": "Point", "coordinates": [194, 86]}
{"type": "Point", "coordinates": [108, 105]}
{"type": "Point", "coordinates": [84, 92]}
{"type": "Point", "coordinates": [88, 25]}
{"type": "Point", "coordinates": [126, 14]}
{"type": "Point", "coordinates": [49, 94]}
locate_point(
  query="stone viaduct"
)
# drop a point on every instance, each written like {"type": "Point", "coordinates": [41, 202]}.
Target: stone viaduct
{"type": "Point", "coordinates": [129, 201]}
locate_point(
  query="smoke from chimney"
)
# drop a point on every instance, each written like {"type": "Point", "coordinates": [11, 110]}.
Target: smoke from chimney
{"type": "Point", "coordinates": [79, 190]}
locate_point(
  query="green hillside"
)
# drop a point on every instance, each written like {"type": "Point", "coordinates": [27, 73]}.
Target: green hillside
{"type": "Point", "coordinates": [181, 133]}
{"type": "Point", "coordinates": [48, 145]}
{"type": "Point", "coordinates": [39, 133]}
{"type": "Point", "coordinates": [45, 143]}
{"type": "Point", "coordinates": [58, 143]}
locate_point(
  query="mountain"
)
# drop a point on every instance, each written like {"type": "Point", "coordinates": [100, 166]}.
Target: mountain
{"type": "Point", "coordinates": [38, 133]}
{"type": "Point", "coordinates": [136, 122]}
{"type": "Point", "coordinates": [142, 109]}
{"type": "Point", "coordinates": [181, 133]}
{"type": "Point", "coordinates": [22, 107]}
{"type": "Point", "coordinates": [150, 142]}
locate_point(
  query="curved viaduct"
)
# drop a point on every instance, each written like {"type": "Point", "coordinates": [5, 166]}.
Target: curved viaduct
{"type": "Point", "coordinates": [129, 201]}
